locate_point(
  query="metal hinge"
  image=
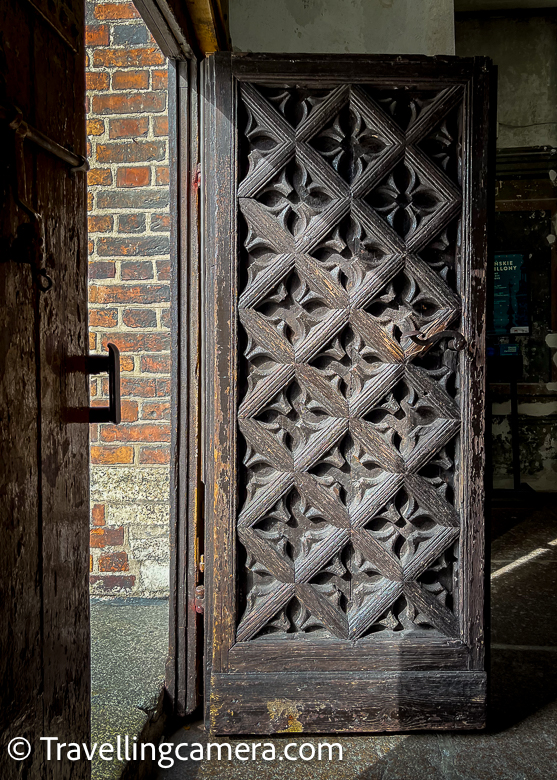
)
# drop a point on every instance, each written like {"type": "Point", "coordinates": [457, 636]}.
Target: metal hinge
{"type": "Point", "coordinates": [199, 601]}
{"type": "Point", "coordinates": [197, 178]}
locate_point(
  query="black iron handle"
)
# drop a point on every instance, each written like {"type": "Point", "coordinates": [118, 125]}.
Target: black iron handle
{"type": "Point", "coordinates": [107, 364]}
{"type": "Point", "coordinates": [456, 343]}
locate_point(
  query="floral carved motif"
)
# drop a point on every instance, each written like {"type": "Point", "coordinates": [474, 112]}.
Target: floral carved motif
{"type": "Point", "coordinates": [350, 203]}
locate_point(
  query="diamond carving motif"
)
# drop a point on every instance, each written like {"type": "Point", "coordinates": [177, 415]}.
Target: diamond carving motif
{"type": "Point", "coordinates": [350, 201]}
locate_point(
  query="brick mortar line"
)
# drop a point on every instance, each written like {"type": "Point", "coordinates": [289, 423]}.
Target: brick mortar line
{"type": "Point", "coordinates": [128, 211]}
{"type": "Point", "coordinates": [130, 258]}
{"type": "Point", "coordinates": [163, 353]}
{"type": "Point", "coordinates": [134, 465]}
{"type": "Point", "coordinates": [96, 68]}
{"type": "Point", "coordinates": [95, 165]}
{"type": "Point", "coordinates": [114, 167]}
{"type": "Point", "coordinates": [126, 328]}
{"type": "Point", "coordinates": [112, 69]}
{"type": "Point", "coordinates": [149, 234]}
{"type": "Point", "coordinates": [134, 306]}
{"type": "Point", "coordinates": [100, 138]}
{"type": "Point", "coordinates": [123, 210]}
{"type": "Point", "coordinates": [135, 374]}
{"type": "Point", "coordinates": [125, 115]}
{"type": "Point", "coordinates": [108, 334]}
{"type": "Point", "coordinates": [113, 282]}
{"type": "Point", "coordinates": [141, 403]}
{"type": "Point", "coordinates": [128, 164]}
{"type": "Point", "coordinates": [133, 258]}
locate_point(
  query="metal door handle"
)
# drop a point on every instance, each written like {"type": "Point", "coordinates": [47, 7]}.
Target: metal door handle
{"type": "Point", "coordinates": [110, 364]}
{"type": "Point", "coordinates": [456, 343]}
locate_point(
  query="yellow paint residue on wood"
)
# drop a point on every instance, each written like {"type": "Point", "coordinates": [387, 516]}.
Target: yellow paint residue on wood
{"type": "Point", "coordinates": [282, 709]}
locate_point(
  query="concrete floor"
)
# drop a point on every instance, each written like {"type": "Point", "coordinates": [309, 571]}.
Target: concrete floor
{"type": "Point", "coordinates": [521, 740]}
{"type": "Point", "coordinates": [129, 646]}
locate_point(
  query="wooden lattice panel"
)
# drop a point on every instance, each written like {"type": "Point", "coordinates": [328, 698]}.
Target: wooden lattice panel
{"type": "Point", "coordinates": [350, 205]}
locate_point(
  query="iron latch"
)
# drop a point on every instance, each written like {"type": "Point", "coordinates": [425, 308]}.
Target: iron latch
{"type": "Point", "coordinates": [456, 343]}
{"type": "Point", "coordinates": [109, 364]}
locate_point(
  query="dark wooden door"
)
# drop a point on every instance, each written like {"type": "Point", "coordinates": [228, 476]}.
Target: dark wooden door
{"type": "Point", "coordinates": [345, 248]}
{"type": "Point", "coordinates": [44, 492]}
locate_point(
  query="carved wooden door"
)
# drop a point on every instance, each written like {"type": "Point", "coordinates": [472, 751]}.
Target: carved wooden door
{"type": "Point", "coordinates": [344, 229]}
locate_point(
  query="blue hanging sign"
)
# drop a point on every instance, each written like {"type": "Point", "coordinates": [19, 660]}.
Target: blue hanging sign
{"type": "Point", "coordinates": [510, 294]}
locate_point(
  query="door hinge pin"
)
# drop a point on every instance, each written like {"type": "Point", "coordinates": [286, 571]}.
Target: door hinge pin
{"type": "Point", "coordinates": [197, 178]}
{"type": "Point", "coordinates": [201, 564]}
{"type": "Point", "coordinates": [200, 599]}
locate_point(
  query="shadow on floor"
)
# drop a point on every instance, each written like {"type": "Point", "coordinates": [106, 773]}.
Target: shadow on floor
{"type": "Point", "coordinates": [523, 619]}
{"type": "Point", "coordinates": [521, 740]}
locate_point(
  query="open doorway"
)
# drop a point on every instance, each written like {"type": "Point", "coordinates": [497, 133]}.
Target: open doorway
{"type": "Point", "coordinates": [48, 611]}
{"type": "Point", "coordinates": [521, 38]}
{"type": "Point", "coordinates": [546, 445]}
{"type": "Point", "coordinates": [129, 306]}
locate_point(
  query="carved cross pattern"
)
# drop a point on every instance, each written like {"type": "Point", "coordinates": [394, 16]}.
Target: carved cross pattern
{"type": "Point", "coordinates": [404, 200]}
{"type": "Point", "coordinates": [403, 105]}
{"type": "Point", "coordinates": [349, 144]}
{"type": "Point", "coordinates": [349, 243]}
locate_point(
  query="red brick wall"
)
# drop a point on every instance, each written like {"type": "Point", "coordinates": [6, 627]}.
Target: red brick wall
{"type": "Point", "coordinates": [129, 294]}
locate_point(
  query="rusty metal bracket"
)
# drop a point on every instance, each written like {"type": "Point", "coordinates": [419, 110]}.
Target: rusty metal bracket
{"type": "Point", "coordinates": [457, 342]}
{"type": "Point", "coordinates": [14, 116]}
{"type": "Point", "coordinates": [28, 247]}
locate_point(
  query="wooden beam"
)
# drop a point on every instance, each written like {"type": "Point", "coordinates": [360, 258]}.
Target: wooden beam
{"type": "Point", "coordinates": [209, 25]}
{"type": "Point", "coordinates": [186, 28]}
{"type": "Point", "coordinates": [170, 26]}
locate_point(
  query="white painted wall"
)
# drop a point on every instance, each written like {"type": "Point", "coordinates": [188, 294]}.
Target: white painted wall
{"type": "Point", "coordinates": [343, 26]}
{"type": "Point", "coordinates": [525, 50]}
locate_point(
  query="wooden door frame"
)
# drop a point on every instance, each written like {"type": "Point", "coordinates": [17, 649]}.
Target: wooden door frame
{"type": "Point", "coordinates": [186, 496]}
{"type": "Point", "coordinates": [185, 31]}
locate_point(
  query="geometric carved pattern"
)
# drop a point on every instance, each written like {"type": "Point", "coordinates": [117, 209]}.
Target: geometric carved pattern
{"type": "Point", "coordinates": [350, 200]}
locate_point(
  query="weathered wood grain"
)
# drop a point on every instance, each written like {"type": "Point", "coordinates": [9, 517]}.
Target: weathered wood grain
{"type": "Point", "coordinates": [373, 654]}
{"type": "Point", "coordinates": [220, 373]}
{"type": "Point", "coordinates": [20, 508]}
{"type": "Point", "coordinates": [328, 702]}
{"type": "Point", "coordinates": [44, 642]}
{"type": "Point", "coordinates": [478, 198]}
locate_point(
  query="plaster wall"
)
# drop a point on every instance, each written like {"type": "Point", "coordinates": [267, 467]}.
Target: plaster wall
{"type": "Point", "coordinates": [525, 49]}
{"type": "Point", "coordinates": [343, 26]}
